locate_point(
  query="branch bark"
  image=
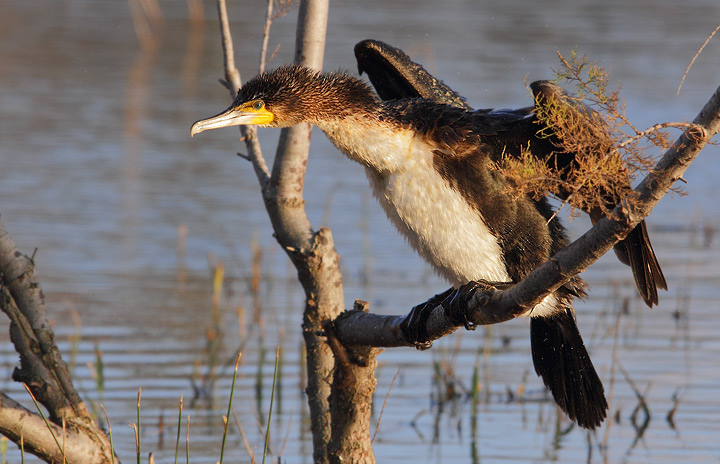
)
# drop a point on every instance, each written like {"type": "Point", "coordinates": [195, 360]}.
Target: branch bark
{"type": "Point", "coordinates": [488, 304]}
{"type": "Point", "coordinates": [351, 398]}
{"type": "Point", "coordinates": [43, 371]}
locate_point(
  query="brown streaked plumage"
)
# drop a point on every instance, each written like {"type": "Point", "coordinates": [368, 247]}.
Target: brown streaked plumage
{"type": "Point", "coordinates": [427, 164]}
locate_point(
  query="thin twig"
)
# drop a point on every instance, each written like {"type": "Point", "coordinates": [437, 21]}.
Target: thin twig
{"type": "Point", "coordinates": [231, 73]}
{"type": "Point", "coordinates": [656, 127]}
{"type": "Point", "coordinates": [670, 417]}
{"type": "Point", "coordinates": [187, 441]}
{"type": "Point", "coordinates": [112, 446]}
{"type": "Point", "coordinates": [642, 403]}
{"type": "Point", "coordinates": [266, 35]}
{"type": "Point", "coordinates": [137, 428]}
{"type": "Point", "coordinates": [179, 427]}
{"type": "Point", "coordinates": [232, 76]}
{"type": "Point", "coordinates": [249, 450]}
{"type": "Point", "coordinates": [47, 423]}
{"type": "Point", "coordinates": [576, 75]}
{"type": "Point", "coordinates": [64, 434]}
{"type": "Point", "coordinates": [611, 393]}
{"type": "Point", "coordinates": [382, 410]}
{"type": "Point", "coordinates": [566, 201]}
{"type": "Point", "coordinates": [272, 55]}
{"type": "Point", "coordinates": [227, 417]}
{"type": "Point", "coordinates": [687, 70]}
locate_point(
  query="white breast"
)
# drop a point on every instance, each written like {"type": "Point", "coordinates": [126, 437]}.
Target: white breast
{"type": "Point", "coordinates": [439, 223]}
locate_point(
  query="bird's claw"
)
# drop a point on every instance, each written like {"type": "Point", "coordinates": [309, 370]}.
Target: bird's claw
{"type": "Point", "coordinates": [422, 346]}
{"type": "Point", "coordinates": [414, 325]}
{"type": "Point", "coordinates": [456, 304]}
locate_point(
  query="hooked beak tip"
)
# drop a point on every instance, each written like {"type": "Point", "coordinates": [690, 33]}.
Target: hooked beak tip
{"type": "Point", "coordinates": [197, 127]}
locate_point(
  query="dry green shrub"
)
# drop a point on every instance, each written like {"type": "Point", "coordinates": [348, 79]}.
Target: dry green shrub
{"type": "Point", "coordinates": [598, 151]}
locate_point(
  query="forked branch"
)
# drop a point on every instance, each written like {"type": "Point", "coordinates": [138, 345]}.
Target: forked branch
{"type": "Point", "coordinates": [43, 371]}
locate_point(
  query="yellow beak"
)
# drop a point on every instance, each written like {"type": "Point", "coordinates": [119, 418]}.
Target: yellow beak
{"type": "Point", "coordinates": [234, 116]}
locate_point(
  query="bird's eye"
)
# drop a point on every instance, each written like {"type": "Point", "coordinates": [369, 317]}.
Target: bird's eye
{"type": "Point", "coordinates": [258, 105]}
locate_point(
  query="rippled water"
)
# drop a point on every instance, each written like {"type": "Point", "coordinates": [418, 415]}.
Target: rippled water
{"type": "Point", "coordinates": [99, 174]}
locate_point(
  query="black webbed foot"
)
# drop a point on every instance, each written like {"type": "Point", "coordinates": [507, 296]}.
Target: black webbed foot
{"type": "Point", "coordinates": [456, 303]}
{"type": "Point", "coordinates": [414, 326]}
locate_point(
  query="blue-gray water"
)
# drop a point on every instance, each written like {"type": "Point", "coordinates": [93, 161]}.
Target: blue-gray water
{"type": "Point", "coordinates": [97, 171]}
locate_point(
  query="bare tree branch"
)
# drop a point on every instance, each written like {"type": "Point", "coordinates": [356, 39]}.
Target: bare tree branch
{"type": "Point", "coordinates": [17, 422]}
{"type": "Point", "coordinates": [266, 35]}
{"type": "Point", "coordinates": [351, 399]}
{"type": "Point", "coordinates": [233, 83]}
{"type": "Point", "coordinates": [42, 369]}
{"type": "Point", "coordinates": [687, 70]}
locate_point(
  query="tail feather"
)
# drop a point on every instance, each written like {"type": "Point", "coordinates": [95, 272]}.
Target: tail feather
{"type": "Point", "coordinates": [560, 358]}
{"type": "Point", "coordinates": [637, 252]}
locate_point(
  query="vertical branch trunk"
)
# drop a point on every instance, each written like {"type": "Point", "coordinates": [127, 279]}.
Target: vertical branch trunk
{"type": "Point", "coordinates": [317, 262]}
{"type": "Point", "coordinates": [351, 398]}
{"type": "Point", "coordinates": [313, 254]}
{"type": "Point", "coordinates": [351, 406]}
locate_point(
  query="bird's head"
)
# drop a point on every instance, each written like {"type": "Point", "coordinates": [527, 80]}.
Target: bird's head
{"type": "Point", "coordinates": [287, 96]}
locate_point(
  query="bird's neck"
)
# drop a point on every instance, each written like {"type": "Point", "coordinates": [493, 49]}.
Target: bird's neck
{"type": "Point", "coordinates": [355, 120]}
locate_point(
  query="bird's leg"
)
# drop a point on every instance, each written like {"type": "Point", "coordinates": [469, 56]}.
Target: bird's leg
{"type": "Point", "coordinates": [414, 326]}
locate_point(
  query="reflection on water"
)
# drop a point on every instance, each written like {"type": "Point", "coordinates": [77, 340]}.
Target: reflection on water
{"type": "Point", "coordinates": [98, 173]}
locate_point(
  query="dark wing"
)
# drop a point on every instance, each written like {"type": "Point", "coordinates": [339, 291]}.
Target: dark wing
{"type": "Point", "coordinates": [459, 131]}
{"type": "Point", "coordinates": [395, 76]}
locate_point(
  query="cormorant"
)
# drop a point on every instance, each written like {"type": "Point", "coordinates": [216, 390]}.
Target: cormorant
{"type": "Point", "coordinates": [429, 166]}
